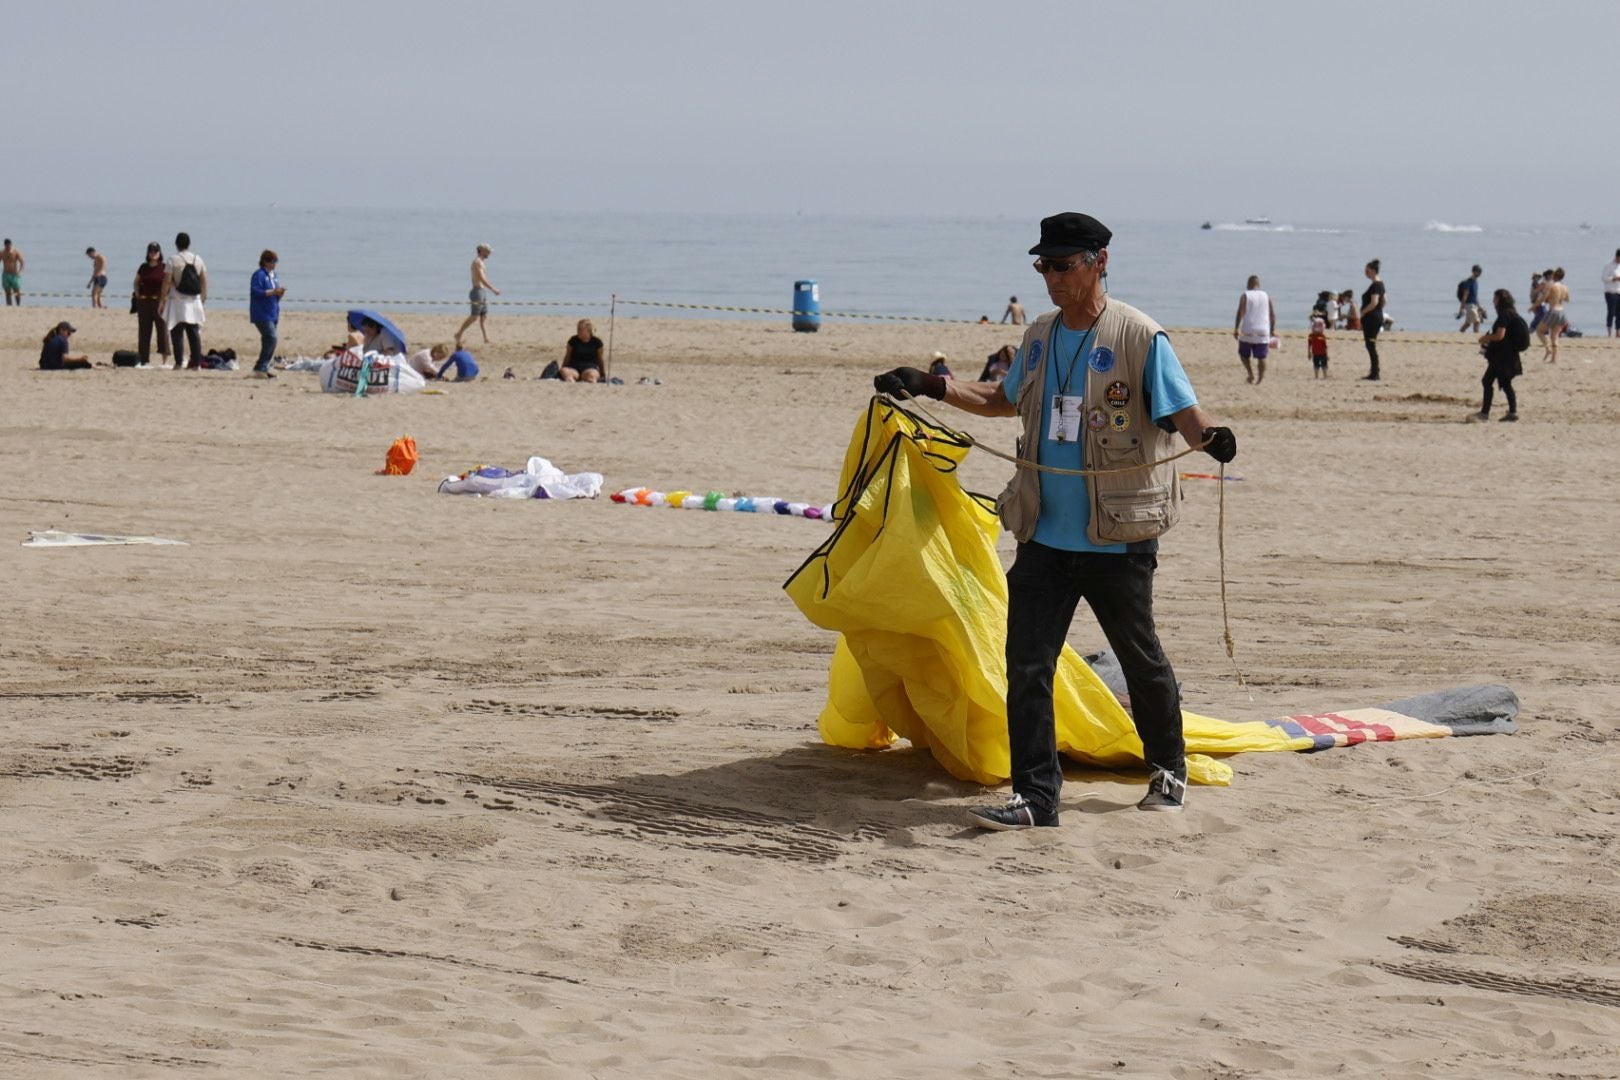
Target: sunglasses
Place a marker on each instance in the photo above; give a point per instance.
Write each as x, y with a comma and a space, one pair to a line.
1055, 266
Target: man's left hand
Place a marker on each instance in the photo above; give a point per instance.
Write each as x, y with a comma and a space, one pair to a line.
1220, 444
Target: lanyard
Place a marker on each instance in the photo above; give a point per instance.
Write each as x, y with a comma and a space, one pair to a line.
1063, 388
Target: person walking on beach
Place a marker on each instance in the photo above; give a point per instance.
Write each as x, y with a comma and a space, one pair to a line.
1093, 369
98, 276
1468, 309
1554, 296
11, 268
478, 296
149, 278
1509, 337
1254, 327
1014, 312
1611, 295
1372, 318
185, 295
264, 310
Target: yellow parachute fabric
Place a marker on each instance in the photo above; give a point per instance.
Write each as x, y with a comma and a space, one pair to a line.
911, 581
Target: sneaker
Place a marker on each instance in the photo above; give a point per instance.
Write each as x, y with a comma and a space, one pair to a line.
1510, 418
263, 373
1479, 417
1369, 378
1167, 791
1017, 813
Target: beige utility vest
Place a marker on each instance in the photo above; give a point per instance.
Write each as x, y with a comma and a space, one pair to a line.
1118, 431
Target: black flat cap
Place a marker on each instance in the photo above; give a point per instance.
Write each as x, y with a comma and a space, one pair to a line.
1069, 233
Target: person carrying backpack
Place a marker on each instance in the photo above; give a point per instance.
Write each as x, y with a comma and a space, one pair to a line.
185, 291
1509, 337
1468, 309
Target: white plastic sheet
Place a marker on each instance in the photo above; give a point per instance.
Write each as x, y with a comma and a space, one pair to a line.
540, 479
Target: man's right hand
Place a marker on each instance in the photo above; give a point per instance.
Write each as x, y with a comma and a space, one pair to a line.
910, 382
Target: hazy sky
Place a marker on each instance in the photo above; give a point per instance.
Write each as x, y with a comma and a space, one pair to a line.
1473, 110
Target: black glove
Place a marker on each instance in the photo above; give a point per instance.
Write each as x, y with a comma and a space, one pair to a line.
1220, 444
910, 382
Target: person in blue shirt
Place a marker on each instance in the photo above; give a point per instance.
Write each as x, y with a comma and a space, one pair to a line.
1101, 375
465, 366
264, 309
1468, 309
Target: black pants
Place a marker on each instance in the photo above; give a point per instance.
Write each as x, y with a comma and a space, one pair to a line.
1506, 383
182, 333
149, 324
1369, 335
1612, 316
1044, 587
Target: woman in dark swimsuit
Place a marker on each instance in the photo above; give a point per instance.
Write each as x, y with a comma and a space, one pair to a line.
582, 357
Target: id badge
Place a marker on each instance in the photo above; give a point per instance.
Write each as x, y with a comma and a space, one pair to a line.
1066, 414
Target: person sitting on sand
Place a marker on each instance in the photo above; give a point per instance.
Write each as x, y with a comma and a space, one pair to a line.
354, 342
54, 355
998, 363
427, 362
466, 368
582, 357
373, 338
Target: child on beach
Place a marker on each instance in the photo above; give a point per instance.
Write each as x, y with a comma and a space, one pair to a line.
1316, 345
940, 366
462, 362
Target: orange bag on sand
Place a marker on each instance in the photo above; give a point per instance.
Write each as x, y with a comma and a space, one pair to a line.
401, 458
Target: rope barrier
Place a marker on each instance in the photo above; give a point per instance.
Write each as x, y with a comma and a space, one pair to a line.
1461, 338
1466, 339
791, 311
369, 303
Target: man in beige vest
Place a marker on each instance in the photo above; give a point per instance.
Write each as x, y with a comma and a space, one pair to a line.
1096, 385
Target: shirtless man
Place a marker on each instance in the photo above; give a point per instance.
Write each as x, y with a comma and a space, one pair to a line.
480, 302
12, 263
1015, 312
1555, 294
98, 276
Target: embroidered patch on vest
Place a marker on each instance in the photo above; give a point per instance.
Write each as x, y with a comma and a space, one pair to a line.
1096, 419
1118, 395
1120, 421
1034, 356
1102, 359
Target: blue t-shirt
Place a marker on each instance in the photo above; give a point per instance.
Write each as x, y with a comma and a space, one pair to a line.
462, 360
262, 307
1065, 501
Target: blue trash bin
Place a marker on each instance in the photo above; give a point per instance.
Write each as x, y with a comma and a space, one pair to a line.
806, 306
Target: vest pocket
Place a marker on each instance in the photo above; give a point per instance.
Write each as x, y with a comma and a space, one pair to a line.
1143, 506
1120, 449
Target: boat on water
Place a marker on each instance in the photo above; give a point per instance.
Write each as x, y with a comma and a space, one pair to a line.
1206, 225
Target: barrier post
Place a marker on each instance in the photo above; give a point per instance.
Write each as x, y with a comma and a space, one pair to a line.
613, 306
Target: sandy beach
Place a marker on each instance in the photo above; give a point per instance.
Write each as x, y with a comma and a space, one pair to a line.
370, 781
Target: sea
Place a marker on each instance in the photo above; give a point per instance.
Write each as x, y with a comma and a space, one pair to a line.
1186, 273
